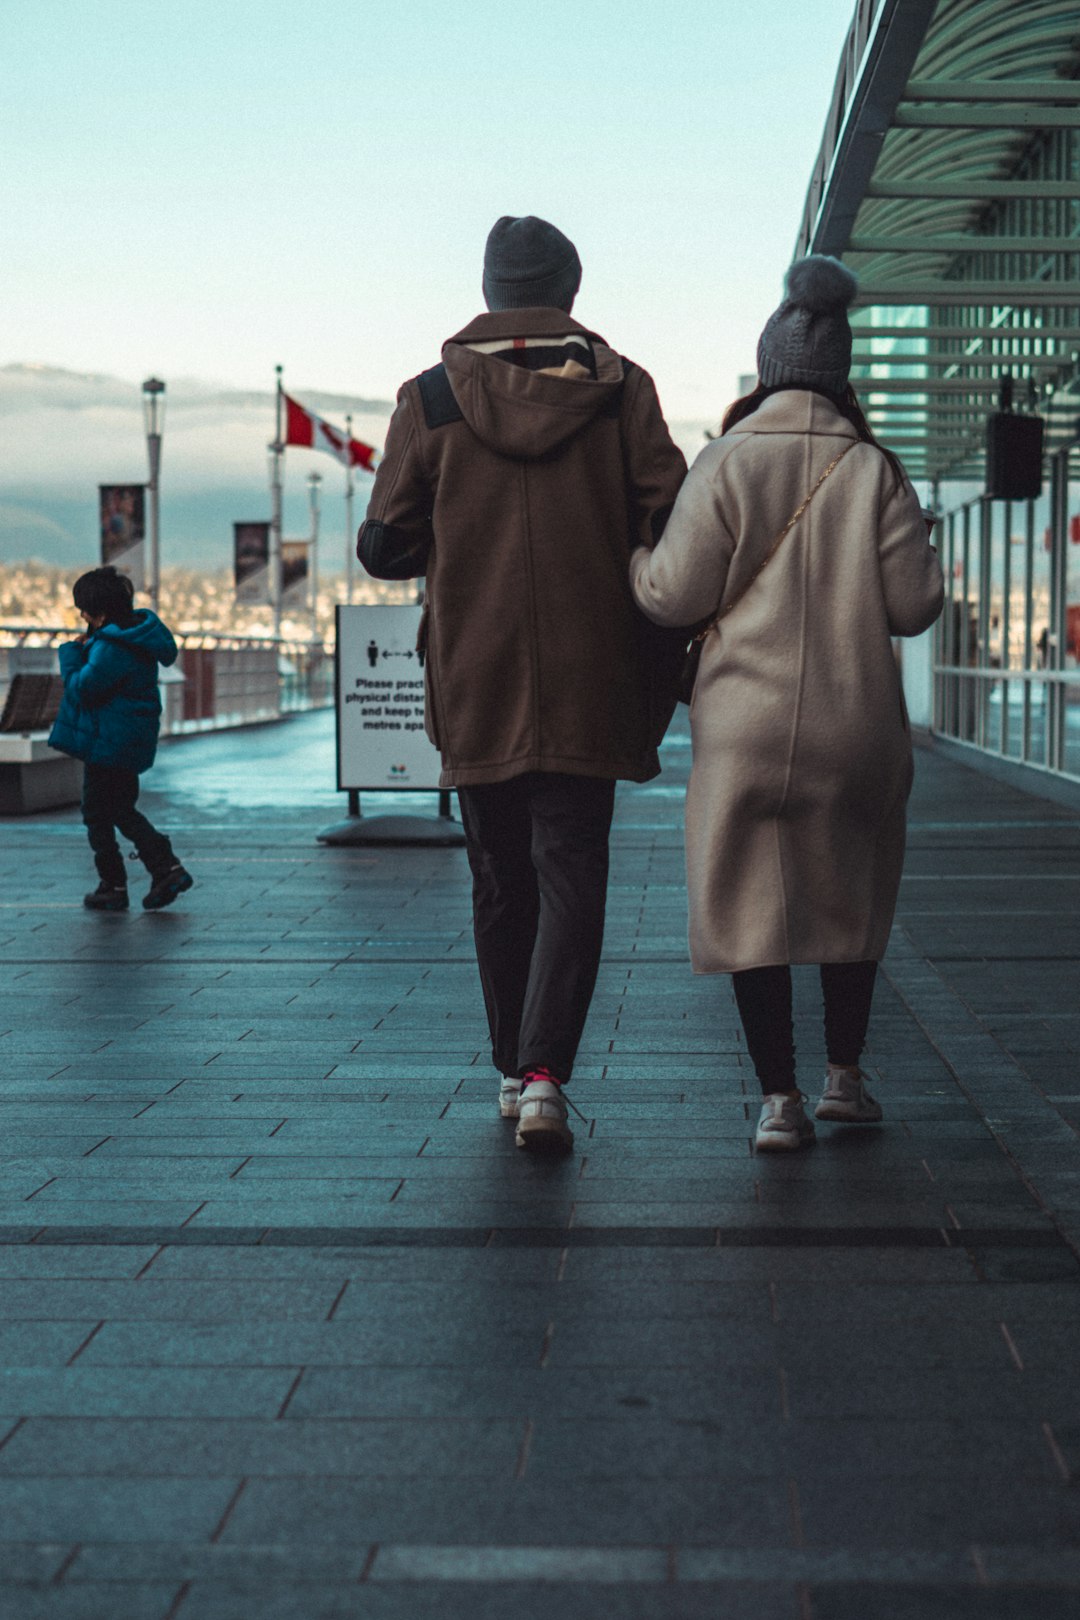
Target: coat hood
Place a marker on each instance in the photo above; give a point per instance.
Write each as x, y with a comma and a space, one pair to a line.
520, 413
147, 637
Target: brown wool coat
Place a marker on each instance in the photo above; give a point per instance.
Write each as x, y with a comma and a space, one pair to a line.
528, 510
795, 811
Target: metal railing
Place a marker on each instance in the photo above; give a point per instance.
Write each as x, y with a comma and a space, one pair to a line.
217, 681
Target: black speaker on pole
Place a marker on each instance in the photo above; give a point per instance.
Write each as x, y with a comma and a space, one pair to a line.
1014, 452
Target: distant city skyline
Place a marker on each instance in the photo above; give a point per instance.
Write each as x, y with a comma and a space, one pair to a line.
206, 190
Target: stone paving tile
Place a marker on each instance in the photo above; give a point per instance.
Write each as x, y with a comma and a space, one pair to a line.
60, 1509
937, 1391
153, 1299
940, 1601
84, 1391
131, 1600
204, 1447
578, 1392
398, 1268
624, 1513
28, 1563
42, 1343
407, 1340
997, 1508
537, 1600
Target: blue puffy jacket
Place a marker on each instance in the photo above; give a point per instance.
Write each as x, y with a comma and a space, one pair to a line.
111, 709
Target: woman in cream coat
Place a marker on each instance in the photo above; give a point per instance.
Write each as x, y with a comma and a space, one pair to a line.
802, 765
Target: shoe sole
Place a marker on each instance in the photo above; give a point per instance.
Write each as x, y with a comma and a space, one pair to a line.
508, 1110
176, 888
111, 905
836, 1113
778, 1143
546, 1138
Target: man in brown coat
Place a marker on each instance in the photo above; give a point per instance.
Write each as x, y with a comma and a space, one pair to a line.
518, 476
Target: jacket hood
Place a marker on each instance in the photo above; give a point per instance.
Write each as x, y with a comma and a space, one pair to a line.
147, 636
520, 413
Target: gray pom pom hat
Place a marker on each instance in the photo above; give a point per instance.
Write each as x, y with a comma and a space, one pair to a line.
529, 264
807, 340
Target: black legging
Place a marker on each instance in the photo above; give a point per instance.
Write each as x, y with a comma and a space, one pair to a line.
763, 996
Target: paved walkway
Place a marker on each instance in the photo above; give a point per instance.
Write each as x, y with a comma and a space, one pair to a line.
291, 1331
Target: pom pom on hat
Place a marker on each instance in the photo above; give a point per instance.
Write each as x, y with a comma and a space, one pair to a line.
820, 283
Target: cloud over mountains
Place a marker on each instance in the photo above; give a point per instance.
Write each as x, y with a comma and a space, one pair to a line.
64, 432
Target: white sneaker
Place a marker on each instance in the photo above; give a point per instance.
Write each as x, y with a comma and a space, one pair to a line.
783, 1125
509, 1093
542, 1115
846, 1099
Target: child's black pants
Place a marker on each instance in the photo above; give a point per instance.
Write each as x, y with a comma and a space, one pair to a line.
108, 804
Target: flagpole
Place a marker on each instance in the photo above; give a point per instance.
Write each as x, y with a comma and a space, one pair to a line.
314, 480
278, 450
350, 539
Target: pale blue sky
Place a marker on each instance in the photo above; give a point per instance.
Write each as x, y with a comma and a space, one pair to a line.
201, 189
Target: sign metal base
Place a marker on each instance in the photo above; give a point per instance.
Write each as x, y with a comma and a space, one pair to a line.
438, 832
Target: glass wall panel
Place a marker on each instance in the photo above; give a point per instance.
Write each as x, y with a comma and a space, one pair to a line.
1037, 628
1072, 618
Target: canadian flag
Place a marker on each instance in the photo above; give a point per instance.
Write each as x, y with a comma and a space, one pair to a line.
311, 432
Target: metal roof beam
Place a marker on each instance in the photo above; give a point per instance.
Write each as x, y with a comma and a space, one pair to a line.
983, 360
961, 242
1058, 333
971, 294
1004, 116
929, 385
883, 52
934, 405
977, 190
1030, 90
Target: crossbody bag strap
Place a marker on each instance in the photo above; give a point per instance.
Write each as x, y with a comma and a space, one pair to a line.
728, 607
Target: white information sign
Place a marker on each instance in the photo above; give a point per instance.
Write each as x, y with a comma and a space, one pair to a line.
380, 701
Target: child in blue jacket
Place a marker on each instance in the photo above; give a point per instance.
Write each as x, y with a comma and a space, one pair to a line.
109, 718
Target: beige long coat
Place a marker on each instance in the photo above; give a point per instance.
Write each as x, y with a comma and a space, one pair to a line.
795, 810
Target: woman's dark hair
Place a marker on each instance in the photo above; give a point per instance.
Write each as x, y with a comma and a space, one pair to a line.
846, 403
105, 594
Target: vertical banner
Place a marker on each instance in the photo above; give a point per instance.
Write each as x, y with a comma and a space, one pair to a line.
294, 573
380, 701
251, 562
122, 519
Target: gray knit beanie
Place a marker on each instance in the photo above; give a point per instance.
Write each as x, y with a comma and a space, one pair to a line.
528, 263
807, 341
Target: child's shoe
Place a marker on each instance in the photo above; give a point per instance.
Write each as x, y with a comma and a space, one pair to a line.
107, 897
164, 889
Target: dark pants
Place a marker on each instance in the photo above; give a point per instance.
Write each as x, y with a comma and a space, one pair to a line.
108, 802
763, 996
538, 849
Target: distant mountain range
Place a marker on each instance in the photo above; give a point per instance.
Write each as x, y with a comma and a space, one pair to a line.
64, 432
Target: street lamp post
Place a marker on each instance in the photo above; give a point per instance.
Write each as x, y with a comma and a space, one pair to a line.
153, 391
314, 480
350, 537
